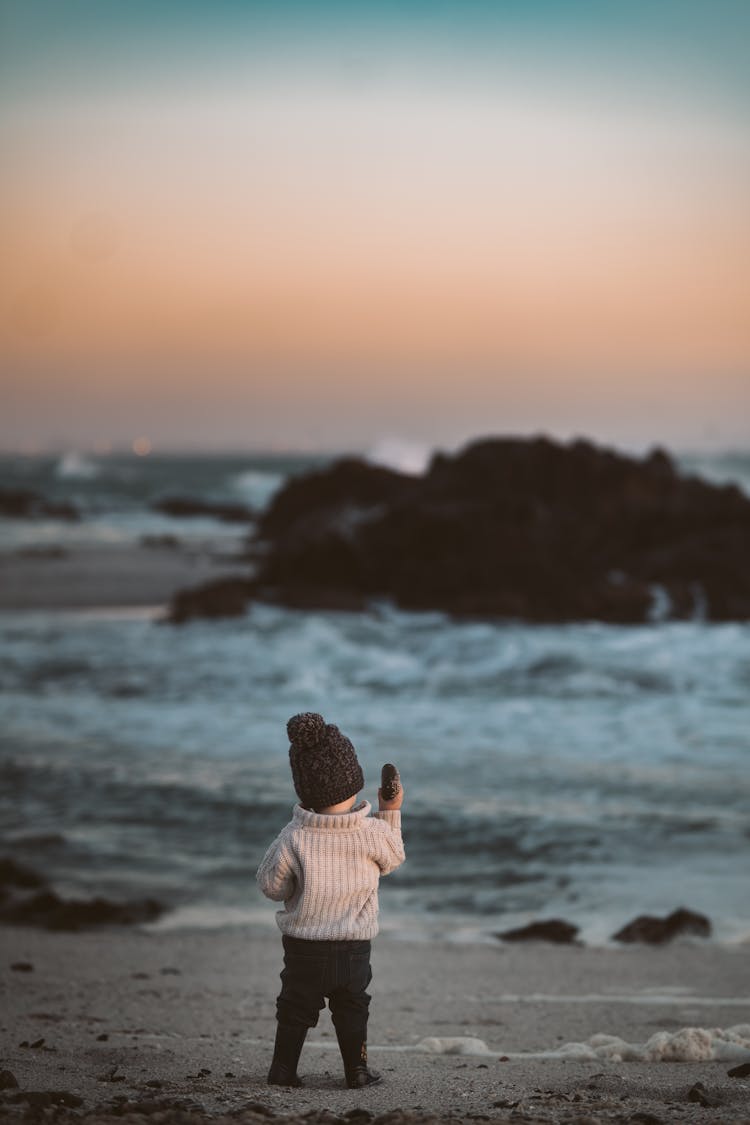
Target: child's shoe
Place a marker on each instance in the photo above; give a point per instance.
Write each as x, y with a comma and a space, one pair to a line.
362, 1076
354, 1056
286, 1053
281, 1075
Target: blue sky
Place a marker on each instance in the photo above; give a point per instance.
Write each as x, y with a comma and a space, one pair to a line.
687, 37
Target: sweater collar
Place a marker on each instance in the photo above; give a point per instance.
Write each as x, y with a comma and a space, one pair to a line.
308, 819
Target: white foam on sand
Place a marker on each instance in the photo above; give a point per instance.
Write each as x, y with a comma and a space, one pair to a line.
453, 1045
689, 1044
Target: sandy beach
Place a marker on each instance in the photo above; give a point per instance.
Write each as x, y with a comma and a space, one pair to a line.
136, 1021
86, 576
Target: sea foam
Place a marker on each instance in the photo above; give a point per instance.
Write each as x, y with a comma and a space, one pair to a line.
257, 486
689, 1044
74, 466
453, 1045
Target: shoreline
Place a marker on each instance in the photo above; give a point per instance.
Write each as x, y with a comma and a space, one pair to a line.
453, 929
205, 921
163, 1017
111, 576
32, 898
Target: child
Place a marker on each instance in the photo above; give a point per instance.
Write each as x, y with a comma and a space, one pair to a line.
325, 866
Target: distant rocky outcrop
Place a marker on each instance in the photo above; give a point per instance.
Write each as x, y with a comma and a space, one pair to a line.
188, 506
549, 929
49, 911
25, 503
527, 529
15, 875
655, 931
27, 900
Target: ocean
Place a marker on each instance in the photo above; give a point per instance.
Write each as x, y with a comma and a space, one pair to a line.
589, 772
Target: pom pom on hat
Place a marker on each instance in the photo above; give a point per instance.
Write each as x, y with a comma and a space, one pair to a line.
324, 763
306, 729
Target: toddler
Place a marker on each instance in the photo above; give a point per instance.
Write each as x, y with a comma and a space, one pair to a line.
325, 866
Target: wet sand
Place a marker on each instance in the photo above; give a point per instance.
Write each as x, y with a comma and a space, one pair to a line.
88, 577
164, 1017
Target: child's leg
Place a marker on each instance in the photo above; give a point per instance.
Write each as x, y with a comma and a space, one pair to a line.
297, 1009
349, 1003
286, 1052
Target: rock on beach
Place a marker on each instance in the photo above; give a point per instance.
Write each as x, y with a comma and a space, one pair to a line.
510, 528
551, 929
27, 900
527, 529
222, 597
25, 503
655, 931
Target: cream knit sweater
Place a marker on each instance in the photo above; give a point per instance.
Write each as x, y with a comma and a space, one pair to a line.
325, 868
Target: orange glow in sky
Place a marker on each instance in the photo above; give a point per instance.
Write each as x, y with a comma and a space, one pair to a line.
402, 255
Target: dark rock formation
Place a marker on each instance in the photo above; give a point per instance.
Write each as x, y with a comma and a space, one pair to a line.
187, 506
224, 597
528, 529
655, 931
741, 1071
27, 900
315, 500
24, 503
50, 912
552, 929
14, 874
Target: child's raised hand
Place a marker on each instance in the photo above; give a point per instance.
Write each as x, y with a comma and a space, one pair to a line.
391, 792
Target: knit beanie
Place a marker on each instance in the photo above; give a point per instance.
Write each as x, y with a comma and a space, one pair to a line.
324, 763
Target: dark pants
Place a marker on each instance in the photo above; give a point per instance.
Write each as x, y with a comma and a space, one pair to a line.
313, 970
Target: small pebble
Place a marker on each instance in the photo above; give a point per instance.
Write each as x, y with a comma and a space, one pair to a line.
698, 1093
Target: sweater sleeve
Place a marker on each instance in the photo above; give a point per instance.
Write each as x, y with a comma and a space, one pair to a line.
389, 848
276, 875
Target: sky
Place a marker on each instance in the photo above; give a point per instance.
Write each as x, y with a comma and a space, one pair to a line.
230, 225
